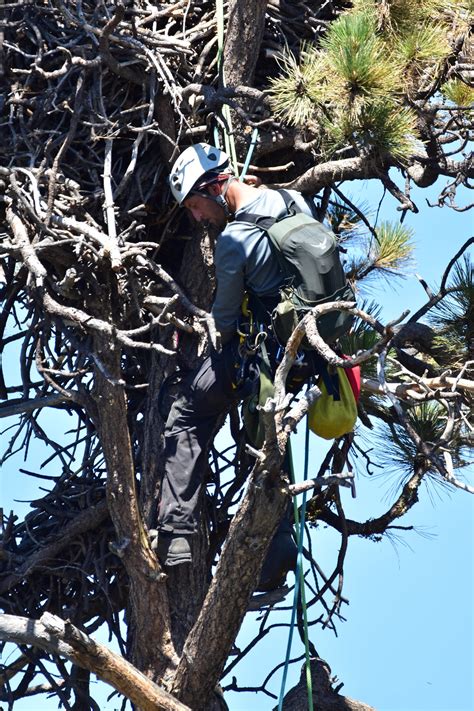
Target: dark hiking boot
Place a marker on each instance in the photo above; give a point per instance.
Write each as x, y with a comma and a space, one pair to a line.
173, 549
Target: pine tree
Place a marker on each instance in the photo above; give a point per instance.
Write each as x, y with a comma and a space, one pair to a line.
106, 288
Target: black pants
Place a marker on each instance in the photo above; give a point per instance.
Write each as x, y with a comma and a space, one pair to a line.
189, 428
191, 423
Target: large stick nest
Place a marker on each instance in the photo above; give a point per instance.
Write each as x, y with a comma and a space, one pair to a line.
97, 97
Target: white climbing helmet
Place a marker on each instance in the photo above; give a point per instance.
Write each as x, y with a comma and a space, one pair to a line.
192, 164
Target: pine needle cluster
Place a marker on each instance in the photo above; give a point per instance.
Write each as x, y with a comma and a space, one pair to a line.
458, 93
398, 451
390, 255
353, 91
453, 318
294, 87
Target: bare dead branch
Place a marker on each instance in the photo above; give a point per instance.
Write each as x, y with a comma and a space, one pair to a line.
52, 634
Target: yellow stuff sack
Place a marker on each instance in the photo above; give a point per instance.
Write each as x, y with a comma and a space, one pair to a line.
330, 418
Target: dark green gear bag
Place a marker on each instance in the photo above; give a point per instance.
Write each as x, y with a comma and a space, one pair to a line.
308, 256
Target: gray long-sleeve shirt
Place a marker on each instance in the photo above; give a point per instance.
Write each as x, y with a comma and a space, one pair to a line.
244, 260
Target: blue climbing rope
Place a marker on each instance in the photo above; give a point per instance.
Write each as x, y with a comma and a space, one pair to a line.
253, 143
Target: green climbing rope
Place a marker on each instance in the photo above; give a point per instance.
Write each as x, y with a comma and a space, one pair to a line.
299, 591
229, 141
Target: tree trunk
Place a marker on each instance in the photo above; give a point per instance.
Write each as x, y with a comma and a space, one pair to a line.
150, 644
234, 581
244, 34
325, 698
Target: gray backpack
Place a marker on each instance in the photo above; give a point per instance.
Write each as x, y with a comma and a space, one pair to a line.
308, 255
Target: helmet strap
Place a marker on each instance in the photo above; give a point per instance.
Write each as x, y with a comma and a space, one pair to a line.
219, 199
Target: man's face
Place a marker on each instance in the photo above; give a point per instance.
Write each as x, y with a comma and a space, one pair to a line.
205, 211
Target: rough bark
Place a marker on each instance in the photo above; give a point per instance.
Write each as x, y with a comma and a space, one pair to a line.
333, 171
245, 26
325, 698
187, 586
151, 454
234, 581
151, 646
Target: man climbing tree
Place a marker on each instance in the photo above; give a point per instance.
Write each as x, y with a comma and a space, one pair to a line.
245, 265
108, 292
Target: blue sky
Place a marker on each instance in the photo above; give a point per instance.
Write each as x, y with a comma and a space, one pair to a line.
407, 644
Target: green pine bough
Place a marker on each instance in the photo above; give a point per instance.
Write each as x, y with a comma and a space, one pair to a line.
356, 92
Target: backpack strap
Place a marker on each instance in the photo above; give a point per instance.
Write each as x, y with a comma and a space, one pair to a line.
290, 203
265, 223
